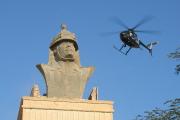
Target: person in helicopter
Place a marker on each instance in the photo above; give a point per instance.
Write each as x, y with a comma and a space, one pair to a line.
133, 36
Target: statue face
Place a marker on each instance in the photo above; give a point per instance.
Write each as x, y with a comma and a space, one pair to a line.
66, 50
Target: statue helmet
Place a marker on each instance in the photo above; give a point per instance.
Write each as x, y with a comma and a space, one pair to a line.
63, 36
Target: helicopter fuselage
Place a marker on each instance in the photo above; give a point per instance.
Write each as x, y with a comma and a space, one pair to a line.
130, 38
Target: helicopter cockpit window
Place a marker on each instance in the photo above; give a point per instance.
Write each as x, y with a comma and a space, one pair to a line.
130, 34
134, 36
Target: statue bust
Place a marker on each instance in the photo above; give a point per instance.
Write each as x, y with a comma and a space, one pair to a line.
64, 76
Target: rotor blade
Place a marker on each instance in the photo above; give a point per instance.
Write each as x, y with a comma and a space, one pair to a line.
148, 31
146, 19
119, 22
109, 33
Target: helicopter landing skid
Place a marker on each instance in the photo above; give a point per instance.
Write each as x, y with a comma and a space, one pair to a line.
120, 50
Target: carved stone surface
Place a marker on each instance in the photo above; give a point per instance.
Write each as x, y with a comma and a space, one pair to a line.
64, 76
35, 92
44, 108
94, 94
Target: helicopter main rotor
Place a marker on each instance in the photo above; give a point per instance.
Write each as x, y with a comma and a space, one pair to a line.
133, 29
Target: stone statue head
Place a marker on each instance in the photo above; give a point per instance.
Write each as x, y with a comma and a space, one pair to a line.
64, 47
65, 51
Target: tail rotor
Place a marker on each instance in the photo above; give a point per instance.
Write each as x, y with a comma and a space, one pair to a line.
150, 46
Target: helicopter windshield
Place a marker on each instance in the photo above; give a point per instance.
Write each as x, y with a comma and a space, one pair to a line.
133, 35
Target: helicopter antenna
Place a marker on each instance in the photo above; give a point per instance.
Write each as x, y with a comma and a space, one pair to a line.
146, 19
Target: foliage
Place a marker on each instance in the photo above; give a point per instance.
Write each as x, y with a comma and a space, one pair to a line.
172, 112
176, 55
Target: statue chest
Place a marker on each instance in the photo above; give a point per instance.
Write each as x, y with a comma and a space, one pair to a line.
65, 82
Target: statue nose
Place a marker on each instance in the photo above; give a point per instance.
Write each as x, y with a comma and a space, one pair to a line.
68, 45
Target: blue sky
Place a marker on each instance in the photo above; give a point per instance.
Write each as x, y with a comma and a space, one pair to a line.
135, 83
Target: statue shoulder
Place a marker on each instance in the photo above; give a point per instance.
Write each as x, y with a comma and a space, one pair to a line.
88, 70
43, 68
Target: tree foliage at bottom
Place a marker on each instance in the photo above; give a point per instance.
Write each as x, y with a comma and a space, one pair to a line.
176, 55
172, 112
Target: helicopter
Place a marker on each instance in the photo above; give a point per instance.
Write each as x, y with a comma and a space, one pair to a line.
129, 37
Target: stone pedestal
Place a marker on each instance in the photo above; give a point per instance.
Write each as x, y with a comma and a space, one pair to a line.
44, 108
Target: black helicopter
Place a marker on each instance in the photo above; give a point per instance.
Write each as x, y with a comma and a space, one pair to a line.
130, 38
